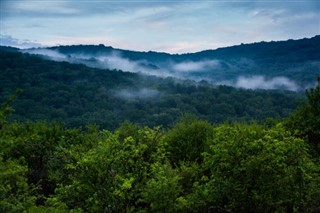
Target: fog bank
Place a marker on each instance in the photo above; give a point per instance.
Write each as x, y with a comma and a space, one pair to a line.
261, 82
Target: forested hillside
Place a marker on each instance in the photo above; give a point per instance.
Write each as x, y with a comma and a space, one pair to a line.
78, 95
194, 166
81, 139
292, 64
137, 106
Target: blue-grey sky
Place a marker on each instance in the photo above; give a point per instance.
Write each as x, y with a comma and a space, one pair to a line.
175, 26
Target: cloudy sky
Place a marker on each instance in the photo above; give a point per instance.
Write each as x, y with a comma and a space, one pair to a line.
175, 26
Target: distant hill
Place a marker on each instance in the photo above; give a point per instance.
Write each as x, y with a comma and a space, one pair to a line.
290, 65
77, 95
275, 50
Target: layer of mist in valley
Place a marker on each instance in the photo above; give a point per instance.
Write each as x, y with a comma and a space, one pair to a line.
242, 73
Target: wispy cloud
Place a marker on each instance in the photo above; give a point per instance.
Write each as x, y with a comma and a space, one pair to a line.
136, 94
185, 70
196, 66
53, 55
174, 26
36, 8
261, 82
6, 40
115, 61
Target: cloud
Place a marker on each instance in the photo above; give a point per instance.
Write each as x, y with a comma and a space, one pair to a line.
30, 8
175, 26
260, 82
54, 55
115, 61
136, 94
76, 8
217, 72
110, 61
272, 8
6, 40
196, 66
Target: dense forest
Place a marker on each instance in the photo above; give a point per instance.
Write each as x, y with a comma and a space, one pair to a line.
79, 139
78, 95
194, 166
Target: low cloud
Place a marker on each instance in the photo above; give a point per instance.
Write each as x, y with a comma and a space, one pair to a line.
115, 61
209, 70
137, 94
195, 66
260, 82
53, 55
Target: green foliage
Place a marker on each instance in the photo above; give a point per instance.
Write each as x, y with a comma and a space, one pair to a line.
6, 109
15, 193
305, 121
112, 175
187, 139
46, 149
191, 167
35, 142
162, 190
237, 167
254, 170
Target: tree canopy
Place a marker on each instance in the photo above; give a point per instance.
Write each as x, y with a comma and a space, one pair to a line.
194, 166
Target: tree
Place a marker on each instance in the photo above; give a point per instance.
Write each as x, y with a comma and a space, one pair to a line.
305, 121
253, 169
162, 189
15, 193
111, 176
6, 109
187, 139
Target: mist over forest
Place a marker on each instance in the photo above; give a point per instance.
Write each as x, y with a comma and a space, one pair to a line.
149, 106
90, 128
289, 65
78, 88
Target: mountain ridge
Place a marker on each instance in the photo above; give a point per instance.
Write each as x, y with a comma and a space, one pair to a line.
234, 50
290, 65
314, 38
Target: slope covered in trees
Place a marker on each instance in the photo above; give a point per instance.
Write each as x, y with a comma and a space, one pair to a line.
188, 165
192, 167
77, 95
296, 60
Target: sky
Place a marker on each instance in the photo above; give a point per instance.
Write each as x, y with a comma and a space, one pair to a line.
173, 26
